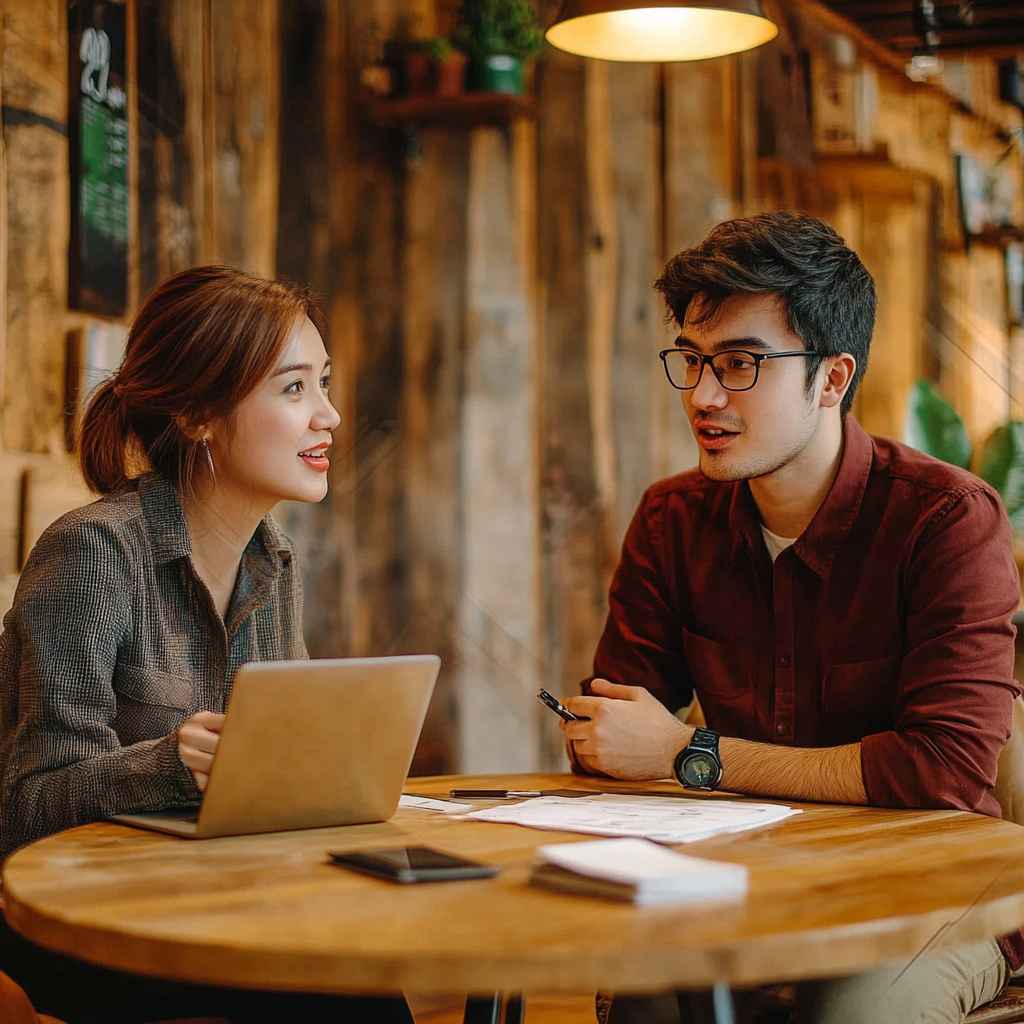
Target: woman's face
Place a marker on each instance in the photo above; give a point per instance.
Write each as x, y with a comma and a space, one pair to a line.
276, 447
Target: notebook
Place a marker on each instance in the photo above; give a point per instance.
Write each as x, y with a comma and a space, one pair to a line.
637, 871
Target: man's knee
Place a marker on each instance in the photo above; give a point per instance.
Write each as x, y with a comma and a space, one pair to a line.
939, 989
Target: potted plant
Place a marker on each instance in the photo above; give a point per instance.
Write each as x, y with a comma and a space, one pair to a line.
449, 67
499, 36
934, 428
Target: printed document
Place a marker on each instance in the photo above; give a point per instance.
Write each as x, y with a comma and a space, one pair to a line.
665, 819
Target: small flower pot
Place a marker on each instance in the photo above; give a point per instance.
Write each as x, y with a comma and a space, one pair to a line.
498, 73
451, 74
417, 73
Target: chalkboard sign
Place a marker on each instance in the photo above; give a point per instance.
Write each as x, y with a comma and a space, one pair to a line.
98, 133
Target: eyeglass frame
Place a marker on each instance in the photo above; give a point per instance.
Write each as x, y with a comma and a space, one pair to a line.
757, 357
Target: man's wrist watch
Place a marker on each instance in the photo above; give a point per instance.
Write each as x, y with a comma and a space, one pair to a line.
698, 765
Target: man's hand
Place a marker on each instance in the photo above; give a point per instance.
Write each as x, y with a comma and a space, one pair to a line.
630, 735
197, 743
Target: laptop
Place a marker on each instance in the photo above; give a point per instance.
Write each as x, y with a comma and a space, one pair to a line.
309, 744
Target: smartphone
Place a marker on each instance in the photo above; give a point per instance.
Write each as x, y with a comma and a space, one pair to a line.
411, 864
558, 707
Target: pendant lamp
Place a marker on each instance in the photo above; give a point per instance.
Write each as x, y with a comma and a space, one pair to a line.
660, 30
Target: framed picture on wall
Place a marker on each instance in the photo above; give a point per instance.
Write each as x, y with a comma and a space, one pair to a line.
970, 189
98, 148
1015, 282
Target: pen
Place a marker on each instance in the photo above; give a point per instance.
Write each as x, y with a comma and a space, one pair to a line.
495, 794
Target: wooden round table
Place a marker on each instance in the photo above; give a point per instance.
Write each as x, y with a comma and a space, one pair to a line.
833, 890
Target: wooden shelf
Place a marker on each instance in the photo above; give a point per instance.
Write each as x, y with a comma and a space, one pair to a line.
451, 112
998, 237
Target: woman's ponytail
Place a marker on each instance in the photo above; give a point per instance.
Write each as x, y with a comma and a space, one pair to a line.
104, 437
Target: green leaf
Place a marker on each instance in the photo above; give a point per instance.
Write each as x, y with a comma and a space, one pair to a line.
1002, 465
490, 27
933, 427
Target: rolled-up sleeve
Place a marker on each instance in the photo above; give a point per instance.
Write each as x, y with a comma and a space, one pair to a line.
642, 640
956, 686
61, 762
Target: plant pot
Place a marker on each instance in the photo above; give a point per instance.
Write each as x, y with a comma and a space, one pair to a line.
417, 73
498, 73
451, 75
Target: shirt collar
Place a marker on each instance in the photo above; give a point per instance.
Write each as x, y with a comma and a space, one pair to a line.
268, 551
165, 518
835, 517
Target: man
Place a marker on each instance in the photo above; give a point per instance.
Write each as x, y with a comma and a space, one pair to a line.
839, 603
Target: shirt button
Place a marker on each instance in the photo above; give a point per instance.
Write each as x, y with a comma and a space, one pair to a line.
781, 728
784, 660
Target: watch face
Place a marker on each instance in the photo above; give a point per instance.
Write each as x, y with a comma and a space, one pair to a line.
700, 770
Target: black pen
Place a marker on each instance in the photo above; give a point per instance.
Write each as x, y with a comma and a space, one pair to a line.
494, 794
550, 701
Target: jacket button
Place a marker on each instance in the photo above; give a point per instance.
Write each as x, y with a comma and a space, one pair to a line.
784, 660
780, 728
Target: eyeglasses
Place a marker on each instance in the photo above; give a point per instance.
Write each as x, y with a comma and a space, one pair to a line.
735, 369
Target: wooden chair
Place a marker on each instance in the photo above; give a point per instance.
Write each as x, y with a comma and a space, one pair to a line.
1009, 1007
15, 1007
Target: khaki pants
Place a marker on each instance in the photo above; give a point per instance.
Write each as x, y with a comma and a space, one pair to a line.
938, 989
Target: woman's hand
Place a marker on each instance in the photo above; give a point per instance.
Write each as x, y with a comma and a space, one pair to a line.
197, 743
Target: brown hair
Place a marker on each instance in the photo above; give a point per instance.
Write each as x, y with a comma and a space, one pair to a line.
826, 292
200, 344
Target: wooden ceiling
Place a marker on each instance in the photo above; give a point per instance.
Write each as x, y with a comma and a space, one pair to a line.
980, 28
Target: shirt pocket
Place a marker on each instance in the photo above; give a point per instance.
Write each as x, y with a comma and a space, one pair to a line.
152, 687
863, 692
718, 671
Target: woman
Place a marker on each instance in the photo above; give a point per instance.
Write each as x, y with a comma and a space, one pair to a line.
134, 613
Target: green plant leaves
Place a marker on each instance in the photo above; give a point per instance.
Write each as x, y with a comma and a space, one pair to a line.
933, 427
491, 27
1002, 465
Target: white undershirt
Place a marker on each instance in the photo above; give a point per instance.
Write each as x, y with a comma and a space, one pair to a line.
776, 544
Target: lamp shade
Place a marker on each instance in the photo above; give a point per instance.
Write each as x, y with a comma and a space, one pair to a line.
660, 30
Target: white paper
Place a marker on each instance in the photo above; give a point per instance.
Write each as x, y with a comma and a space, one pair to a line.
426, 804
662, 819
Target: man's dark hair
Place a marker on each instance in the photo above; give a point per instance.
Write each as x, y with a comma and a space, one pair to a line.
826, 292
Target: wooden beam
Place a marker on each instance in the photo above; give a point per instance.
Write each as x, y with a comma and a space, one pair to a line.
172, 194
34, 77
243, 105
304, 254
580, 263
433, 407
501, 658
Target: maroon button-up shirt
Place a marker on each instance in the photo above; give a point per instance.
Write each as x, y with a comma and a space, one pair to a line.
887, 622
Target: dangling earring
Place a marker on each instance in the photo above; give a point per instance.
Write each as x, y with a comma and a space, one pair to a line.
209, 458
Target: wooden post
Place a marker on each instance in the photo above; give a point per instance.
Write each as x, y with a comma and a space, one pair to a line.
499, 666
172, 194
244, 97
35, 142
434, 342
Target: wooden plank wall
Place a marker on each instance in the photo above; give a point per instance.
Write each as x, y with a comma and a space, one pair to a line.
492, 321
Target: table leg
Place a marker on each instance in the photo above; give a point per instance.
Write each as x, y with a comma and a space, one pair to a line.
722, 999
514, 1010
482, 1009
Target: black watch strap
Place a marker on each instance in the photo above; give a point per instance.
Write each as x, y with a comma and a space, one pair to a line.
704, 739
698, 765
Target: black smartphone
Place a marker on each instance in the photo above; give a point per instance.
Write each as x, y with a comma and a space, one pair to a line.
411, 864
551, 701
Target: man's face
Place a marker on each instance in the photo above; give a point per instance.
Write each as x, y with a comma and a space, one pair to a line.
766, 428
